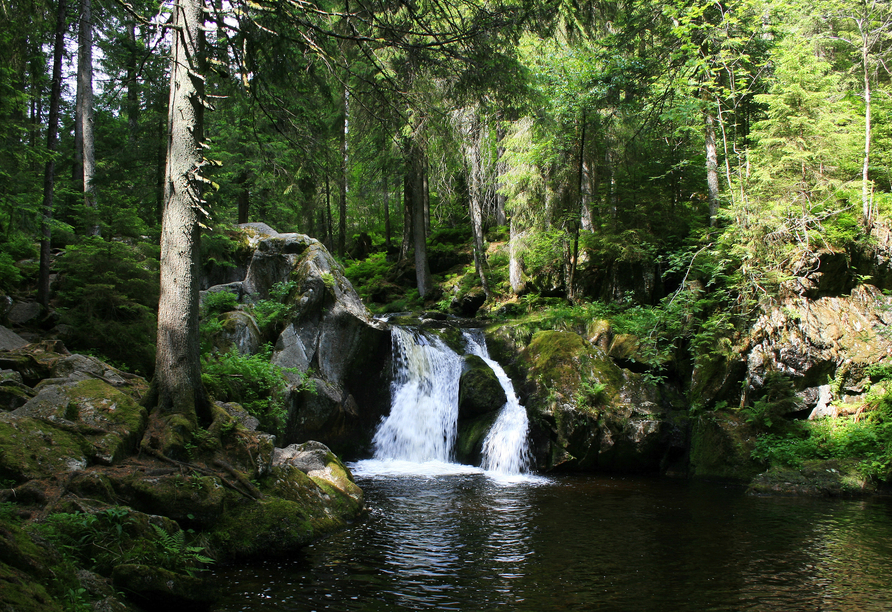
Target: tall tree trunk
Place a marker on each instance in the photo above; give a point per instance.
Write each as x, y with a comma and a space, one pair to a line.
712, 166
85, 148
49, 173
865, 179
425, 189
408, 232
577, 221
422, 269
342, 219
473, 159
386, 212
501, 170
176, 386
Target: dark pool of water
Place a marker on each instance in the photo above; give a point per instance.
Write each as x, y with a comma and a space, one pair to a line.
465, 542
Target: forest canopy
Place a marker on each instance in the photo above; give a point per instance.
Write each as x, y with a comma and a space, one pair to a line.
730, 138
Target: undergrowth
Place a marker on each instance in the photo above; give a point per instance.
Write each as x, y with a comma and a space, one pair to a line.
103, 540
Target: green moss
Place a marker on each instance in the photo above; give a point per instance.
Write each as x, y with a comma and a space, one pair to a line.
192, 497
832, 478
555, 355
30, 448
269, 526
721, 447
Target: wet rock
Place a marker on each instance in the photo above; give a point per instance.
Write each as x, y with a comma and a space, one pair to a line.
721, 445
479, 388
594, 415
832, 478
163, 588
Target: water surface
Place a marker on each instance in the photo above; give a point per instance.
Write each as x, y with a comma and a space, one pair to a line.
462, 540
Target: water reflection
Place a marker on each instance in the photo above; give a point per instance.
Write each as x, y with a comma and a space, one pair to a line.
467, 542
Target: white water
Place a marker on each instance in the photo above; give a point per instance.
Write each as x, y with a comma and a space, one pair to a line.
421, 426
417, 437
505, 448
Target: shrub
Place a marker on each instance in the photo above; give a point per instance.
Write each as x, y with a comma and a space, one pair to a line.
252, 381
108, 294
111, 537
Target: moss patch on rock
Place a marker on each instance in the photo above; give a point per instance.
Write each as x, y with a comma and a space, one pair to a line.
721, 448
832, 478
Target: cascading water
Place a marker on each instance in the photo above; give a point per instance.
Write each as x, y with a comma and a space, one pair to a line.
422, 422
417, 437
505, 448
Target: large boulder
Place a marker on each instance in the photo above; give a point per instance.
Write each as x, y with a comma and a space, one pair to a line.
479, 390
587, 412
334, 353
827, 339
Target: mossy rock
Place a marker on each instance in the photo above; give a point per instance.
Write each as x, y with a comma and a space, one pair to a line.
161, 588
110, 420
19, 592
479, 388
554, 357
265, 527
27, 572
721, 448
623, 346
193, 498
31, 448
470, 437
328, 497
831, 478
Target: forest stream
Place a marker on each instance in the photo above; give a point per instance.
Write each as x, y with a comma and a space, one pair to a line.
444, 536
465, 541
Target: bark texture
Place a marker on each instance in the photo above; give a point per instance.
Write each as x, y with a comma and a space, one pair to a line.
176, 387
49, 174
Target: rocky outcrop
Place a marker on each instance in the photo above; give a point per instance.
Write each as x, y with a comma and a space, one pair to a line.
333, 351
69, 451
586, 412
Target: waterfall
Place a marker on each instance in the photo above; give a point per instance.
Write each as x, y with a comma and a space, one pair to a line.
505, 448
418, 435
422, 422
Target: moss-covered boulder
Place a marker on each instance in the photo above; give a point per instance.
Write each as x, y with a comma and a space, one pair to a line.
183, 495
479, 389
831, 478
238, 330
161, 588
721, 446
32, 448
325, 470
589, 413
326, 329
110, 420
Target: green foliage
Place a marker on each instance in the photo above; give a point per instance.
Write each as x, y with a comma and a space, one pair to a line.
108, 294
269, 314
112, 537
778, 397
252, 381
172, 552
10, 275
219, 302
